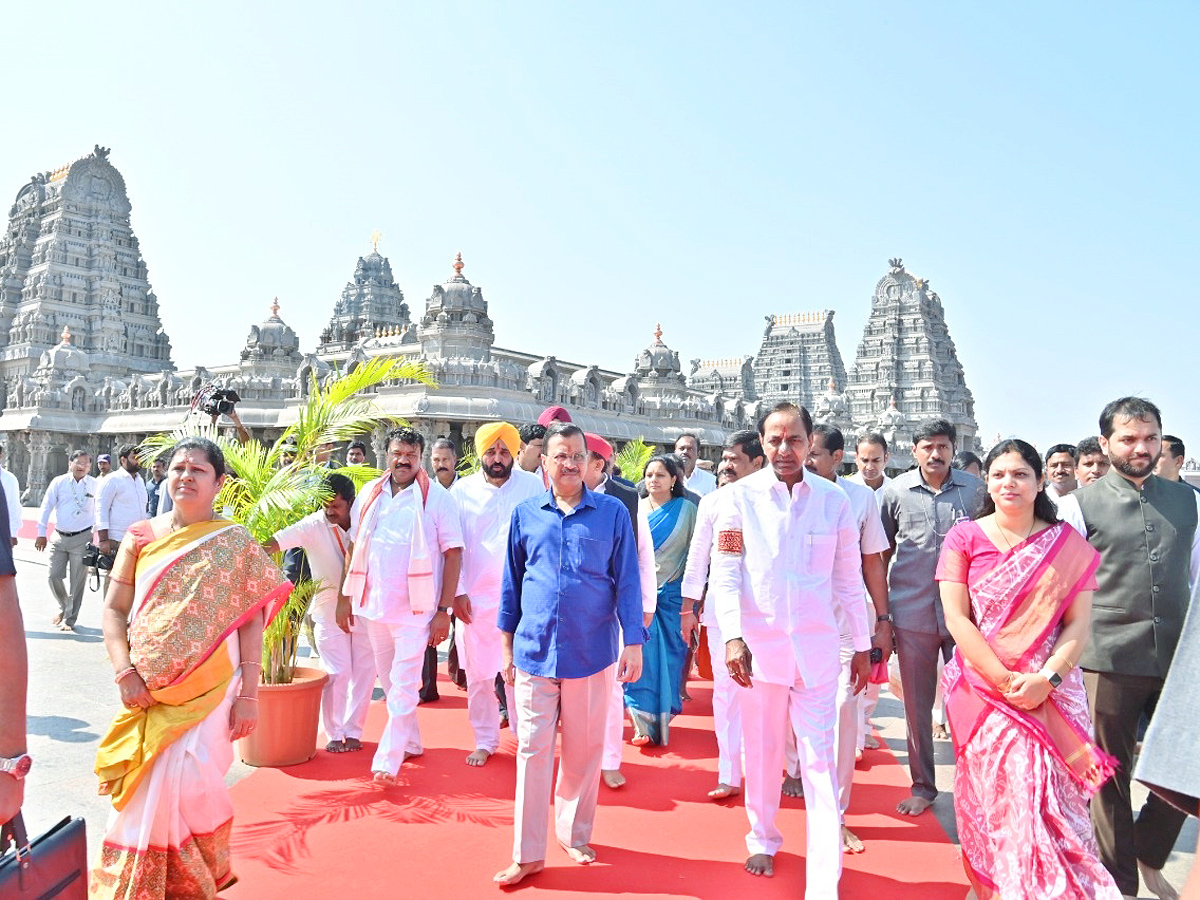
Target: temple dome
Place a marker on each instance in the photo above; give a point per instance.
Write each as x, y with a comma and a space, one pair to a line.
65, 356
658, 358
272, 336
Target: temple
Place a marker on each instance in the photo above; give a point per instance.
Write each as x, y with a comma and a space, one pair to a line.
86, 363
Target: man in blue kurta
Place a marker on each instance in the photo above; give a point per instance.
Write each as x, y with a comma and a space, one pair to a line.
571, 586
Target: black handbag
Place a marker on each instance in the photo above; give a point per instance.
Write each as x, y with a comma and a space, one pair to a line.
54, 865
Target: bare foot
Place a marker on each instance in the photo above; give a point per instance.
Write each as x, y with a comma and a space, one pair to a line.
640, 740
613, 778
336, 747
478, 758
723, 792
352, 744
913, 806
387, 779
851, 842
583, 854
57, 620
792, 787
761, 864
517, 871
870, 743
1156, 884
858, 756
940, 733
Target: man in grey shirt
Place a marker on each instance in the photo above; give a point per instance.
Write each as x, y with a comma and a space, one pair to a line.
918, 508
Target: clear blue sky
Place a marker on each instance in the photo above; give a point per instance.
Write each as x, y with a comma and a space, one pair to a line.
603, 167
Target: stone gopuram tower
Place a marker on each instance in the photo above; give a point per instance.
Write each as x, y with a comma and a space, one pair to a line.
906, 368
69, 259
798, 357
371, 303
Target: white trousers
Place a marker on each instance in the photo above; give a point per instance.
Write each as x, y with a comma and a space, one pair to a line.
399, 655
614, 727
766, 709
845, 743
350, 662
727, 713
866, 708
479, 652
580, 705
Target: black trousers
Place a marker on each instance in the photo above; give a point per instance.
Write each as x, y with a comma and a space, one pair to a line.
1117, 703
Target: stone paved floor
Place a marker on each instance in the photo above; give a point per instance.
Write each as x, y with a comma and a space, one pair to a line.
72, 699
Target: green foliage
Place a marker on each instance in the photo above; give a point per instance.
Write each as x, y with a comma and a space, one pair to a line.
469, 462
265, 495
632, 459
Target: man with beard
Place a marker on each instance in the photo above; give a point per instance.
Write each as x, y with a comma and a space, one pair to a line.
120, 501
787, 559
742, 455
1145, 529
1091, 462
918, 508
485, 502
346, 655
405, 555
571, 585
1060, 471
443, 458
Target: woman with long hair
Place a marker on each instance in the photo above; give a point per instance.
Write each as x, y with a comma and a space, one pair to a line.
654, 698
183, 621
1016, 586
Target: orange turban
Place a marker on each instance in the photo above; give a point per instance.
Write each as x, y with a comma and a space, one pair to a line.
497, 431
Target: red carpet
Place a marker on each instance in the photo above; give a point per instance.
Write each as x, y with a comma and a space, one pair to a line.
322, 829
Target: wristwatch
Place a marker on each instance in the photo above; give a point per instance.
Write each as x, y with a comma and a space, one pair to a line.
446, 609
886, 617
18, 767
1051, 676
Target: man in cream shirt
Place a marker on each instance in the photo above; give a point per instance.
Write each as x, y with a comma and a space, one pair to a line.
787, 559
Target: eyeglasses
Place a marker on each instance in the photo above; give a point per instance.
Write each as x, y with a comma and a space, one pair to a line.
561, 459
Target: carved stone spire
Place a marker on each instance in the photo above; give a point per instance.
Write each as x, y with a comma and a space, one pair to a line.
275, 308
458, 267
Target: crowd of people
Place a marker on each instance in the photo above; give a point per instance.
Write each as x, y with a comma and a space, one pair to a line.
1037, 601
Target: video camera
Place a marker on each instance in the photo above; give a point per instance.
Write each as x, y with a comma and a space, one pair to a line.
216, 401
97, 562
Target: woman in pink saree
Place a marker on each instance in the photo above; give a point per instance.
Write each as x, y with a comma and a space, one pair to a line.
1016, 585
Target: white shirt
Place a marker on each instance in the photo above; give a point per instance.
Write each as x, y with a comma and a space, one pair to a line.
857, 478
12, 494
695, 576
871, 536
325, 544
798, 562
386, 598
73, 504
701, 482
645, 554
485, 513
121, 501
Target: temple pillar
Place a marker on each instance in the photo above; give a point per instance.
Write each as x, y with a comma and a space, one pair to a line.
38, 475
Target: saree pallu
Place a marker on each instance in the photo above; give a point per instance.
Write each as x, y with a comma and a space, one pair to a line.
1023, 778
164, 767
654, 698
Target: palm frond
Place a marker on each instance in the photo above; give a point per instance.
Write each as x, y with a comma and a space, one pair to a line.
281, 639
632, 459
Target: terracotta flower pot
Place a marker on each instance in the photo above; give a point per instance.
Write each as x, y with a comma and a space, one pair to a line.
288, 716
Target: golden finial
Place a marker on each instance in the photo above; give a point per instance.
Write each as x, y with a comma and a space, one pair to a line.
458, 266
66, 335
275, 307
376, 237
658, 332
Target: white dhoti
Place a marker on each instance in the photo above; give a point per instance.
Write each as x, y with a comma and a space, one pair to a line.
867, 701
479, 654
350, 661
766, 709
580, 705
399, 654
727, 712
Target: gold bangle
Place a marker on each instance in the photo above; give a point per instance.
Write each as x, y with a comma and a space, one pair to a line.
251, 699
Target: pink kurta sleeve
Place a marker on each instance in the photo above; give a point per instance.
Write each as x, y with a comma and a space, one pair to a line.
955, 558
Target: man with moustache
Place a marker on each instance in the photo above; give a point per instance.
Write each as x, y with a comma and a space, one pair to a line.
741, 456
405, 555
787, 560
356, 454
1170, 464
695, 479
530, 457
71, 500
824, 459
596, 477
120, 501
918, 508
485, 502
1145, 528
443, 457
346, 655
1060, 471
571, 584
1091, 462
871, 459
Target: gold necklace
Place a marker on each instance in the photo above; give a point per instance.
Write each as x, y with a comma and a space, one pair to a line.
1004, 533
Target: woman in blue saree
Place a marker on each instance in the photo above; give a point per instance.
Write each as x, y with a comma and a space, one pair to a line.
654, 698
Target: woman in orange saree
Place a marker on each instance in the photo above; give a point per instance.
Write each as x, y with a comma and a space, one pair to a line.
183, 621
1016, 586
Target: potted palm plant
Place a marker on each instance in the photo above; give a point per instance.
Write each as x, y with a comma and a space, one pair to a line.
273, 486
